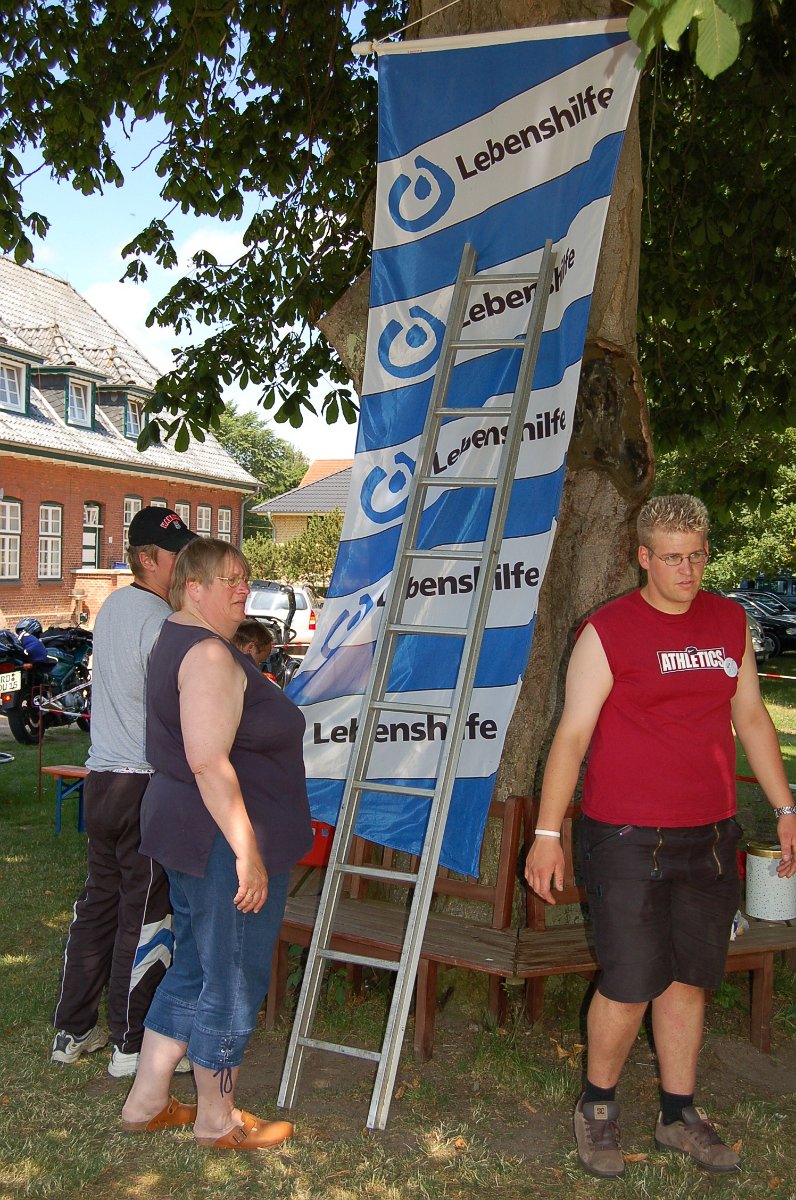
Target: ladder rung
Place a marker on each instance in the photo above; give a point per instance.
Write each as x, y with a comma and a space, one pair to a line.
401, 706
526, 278
333, 1048
456, 555
456, 481
439, 630
487, 344
360, 960
370, 872
395, 789
494, 410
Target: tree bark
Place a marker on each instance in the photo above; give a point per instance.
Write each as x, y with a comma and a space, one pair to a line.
610, 466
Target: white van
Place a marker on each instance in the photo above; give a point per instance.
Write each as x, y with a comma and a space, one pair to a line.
270, 600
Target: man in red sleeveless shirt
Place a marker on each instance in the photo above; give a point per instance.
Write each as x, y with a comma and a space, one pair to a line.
657, 680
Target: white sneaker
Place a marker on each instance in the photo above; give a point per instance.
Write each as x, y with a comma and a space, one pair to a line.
67, 1048
127, 1064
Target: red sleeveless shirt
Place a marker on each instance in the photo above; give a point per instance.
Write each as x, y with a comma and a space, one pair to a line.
662, 752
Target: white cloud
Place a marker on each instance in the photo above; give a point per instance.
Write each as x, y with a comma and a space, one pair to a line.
224, 244
126, 306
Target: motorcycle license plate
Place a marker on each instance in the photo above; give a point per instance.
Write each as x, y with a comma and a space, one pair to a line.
10, 681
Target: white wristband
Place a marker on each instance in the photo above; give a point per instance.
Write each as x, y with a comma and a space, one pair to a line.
546, 833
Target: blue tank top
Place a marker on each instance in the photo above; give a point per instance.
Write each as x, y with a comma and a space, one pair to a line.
176, 828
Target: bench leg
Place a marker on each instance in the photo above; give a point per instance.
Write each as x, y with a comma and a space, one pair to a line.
425, 1009
762, 1004
534, 1000
277, 987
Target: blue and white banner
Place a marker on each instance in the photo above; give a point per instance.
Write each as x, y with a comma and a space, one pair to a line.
502, 141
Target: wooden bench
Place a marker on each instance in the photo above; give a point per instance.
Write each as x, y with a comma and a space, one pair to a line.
454, 941
68, 782
544, 950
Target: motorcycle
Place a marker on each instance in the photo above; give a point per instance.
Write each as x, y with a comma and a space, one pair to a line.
45, 679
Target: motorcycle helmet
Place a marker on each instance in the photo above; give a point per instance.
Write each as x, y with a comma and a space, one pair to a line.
29, 625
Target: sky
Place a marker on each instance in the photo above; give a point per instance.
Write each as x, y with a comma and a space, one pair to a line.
84, 246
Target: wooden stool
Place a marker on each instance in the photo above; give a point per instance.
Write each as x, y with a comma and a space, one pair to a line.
64, 788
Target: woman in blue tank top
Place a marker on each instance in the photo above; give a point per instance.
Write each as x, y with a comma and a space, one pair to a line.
226, 815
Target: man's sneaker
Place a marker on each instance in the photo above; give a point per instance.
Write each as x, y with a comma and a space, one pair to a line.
127, 1064
696, 1135
67, 1048
597, 1134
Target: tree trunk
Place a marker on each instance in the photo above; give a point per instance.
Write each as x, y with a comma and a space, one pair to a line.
610, 465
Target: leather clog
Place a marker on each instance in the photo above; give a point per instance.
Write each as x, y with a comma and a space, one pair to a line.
251, 1134
173, 1116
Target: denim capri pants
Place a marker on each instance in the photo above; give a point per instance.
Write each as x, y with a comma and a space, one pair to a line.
211, 994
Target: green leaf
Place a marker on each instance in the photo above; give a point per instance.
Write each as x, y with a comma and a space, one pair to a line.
676, 19
717, 40
182, 440
741, 11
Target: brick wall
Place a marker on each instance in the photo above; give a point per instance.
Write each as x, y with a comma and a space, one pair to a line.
35, 481
288, 527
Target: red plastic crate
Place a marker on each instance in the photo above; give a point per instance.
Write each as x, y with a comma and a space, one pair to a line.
321, 848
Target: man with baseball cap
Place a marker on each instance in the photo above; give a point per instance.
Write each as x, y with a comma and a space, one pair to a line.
120, 936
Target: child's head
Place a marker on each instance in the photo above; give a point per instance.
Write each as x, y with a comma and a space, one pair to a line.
254, 639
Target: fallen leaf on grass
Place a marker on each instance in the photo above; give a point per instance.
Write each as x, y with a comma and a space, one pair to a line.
636, 1157
736, 1146
531, 1108
460, 1144
774, 1182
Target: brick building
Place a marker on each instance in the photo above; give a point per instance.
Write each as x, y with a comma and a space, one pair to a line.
72, 390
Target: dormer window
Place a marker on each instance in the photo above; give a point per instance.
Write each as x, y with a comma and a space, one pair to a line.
12, 386
133, 418
79, 403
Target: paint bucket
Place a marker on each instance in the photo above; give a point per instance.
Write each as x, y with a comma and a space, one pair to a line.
768, 896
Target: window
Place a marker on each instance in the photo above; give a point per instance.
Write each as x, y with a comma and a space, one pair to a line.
133, 418
91, 535
158, 502
225, 524
12, 388
204, 519
183, 511
10, 535
132, 505
50, 541
79, 404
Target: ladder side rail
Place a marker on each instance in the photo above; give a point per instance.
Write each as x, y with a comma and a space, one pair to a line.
435, 830
358, 760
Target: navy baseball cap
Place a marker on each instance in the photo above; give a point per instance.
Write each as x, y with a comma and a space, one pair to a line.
161, 527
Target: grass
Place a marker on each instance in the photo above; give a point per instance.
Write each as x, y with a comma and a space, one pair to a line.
488, 1117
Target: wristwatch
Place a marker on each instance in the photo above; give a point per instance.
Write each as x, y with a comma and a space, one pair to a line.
787, 810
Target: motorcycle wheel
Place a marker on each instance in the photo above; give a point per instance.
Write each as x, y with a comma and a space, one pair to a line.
24, 723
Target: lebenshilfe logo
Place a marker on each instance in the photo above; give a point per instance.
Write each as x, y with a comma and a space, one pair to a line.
432, 190
407, 351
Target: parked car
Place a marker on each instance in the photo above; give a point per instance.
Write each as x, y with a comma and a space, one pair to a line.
269, 599
780, 629
763, 646
780, 605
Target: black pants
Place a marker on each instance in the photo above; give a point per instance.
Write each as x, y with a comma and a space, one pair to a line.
121, 932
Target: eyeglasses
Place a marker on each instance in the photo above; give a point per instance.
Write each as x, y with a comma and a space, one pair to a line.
697, 558
233, 581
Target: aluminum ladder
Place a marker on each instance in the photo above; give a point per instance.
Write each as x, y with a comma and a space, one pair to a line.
376, 701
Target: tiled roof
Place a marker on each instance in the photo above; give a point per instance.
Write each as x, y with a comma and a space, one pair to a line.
45, 318
322, 467
324, 496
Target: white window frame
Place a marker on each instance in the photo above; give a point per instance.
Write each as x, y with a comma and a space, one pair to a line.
132, 505
183, 511
224, 524
10, 538
204, 520
79, 403
51, 524
158, 502
12, 378
133, 418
